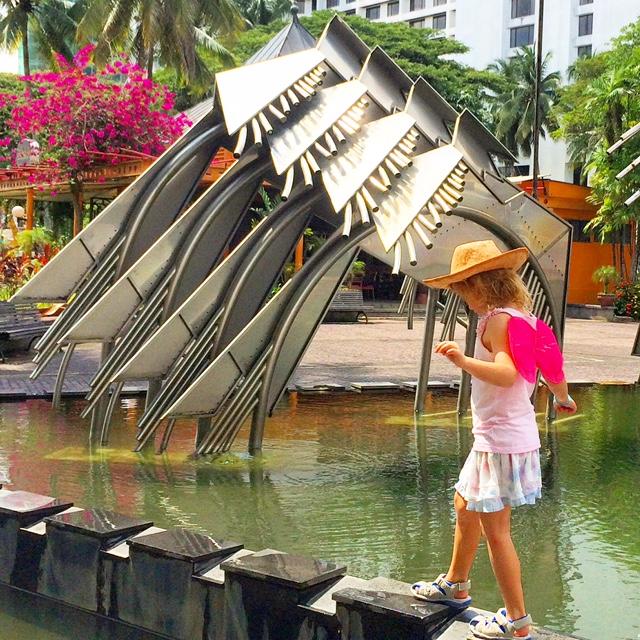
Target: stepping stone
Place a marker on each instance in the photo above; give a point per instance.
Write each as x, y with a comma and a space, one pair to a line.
375, 386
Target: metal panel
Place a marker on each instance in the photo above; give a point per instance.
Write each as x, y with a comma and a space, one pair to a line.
243, 91
168, 197
259, 274
431, 112
306, 318
288, 144
106, 319
411, 192
386, 82
343, 49
212, 386
158, 354
347, 172
477, 142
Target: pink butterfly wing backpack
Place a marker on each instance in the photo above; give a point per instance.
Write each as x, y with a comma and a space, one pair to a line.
533, 349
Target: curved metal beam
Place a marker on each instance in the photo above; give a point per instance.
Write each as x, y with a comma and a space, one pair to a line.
335, 248
187, 154
302, 205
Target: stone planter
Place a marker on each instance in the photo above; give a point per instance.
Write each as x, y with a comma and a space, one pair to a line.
606, 299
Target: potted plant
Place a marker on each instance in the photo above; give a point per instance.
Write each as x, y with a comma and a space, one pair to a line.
357, 271
605, 275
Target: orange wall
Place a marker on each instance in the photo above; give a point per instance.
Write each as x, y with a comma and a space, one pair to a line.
568, 201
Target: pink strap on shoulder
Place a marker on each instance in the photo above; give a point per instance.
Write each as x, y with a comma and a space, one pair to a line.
533, 349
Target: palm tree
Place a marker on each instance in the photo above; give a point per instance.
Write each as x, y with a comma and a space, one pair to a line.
170, 30
514, 107
47, 20
264, 11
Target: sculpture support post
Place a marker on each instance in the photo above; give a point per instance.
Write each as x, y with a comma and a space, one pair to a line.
464, 395
427, 342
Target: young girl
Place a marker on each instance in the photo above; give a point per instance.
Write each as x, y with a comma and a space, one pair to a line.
503, 469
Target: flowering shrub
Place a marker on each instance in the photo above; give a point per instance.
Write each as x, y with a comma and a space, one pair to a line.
81, 119
627, 299
23, 258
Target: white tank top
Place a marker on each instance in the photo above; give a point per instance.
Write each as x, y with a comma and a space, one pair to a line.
504, 420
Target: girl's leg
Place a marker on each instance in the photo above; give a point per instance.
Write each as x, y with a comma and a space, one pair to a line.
505, 562
465, 542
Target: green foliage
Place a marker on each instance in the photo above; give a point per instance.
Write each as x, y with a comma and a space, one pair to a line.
49, 22
513, 109
174, 33
605, 275
264, 11
358, 267
601, 104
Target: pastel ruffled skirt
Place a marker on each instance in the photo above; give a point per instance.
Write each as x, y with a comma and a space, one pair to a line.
492, 481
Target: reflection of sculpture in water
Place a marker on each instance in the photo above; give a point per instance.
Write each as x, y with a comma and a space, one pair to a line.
5, 478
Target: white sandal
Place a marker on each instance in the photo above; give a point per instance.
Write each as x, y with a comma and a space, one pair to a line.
498, 626
442, 591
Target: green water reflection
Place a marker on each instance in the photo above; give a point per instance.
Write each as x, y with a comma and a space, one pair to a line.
355, 479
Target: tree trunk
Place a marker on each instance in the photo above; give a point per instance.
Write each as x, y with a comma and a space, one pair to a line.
635, 255
76, 194
26, 63
150, 63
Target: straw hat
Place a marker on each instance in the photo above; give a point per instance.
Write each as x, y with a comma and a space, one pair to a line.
476, 257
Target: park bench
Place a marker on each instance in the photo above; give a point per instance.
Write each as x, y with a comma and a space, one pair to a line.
20, 326
347, 306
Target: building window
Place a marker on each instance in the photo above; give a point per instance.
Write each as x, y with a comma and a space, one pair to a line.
301, 6
579, 177
586, 2
585, 51
350, 1
440, 21
579, 234
373, 13
439, 3
417, 24
351, 12
393, 8
331, 4
585, 25
521, 36
521, 8
416, 5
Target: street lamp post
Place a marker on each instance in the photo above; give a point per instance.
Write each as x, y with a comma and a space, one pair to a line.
536, 118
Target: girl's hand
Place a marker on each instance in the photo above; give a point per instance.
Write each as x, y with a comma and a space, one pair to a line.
451, 351
566, 406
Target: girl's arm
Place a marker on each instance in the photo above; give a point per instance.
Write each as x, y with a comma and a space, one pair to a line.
501, 372
562, 400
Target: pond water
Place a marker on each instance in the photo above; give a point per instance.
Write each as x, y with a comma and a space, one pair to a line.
356, 479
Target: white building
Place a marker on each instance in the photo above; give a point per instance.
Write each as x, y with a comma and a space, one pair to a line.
494, 29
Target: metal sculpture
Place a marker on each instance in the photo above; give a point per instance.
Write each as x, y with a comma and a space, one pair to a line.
346, 136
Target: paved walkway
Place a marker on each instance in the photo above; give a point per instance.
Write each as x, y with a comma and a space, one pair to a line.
381, 351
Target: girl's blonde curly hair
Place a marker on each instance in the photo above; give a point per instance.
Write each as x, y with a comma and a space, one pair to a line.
496, 288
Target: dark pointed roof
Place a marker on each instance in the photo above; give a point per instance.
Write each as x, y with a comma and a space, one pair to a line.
294, 37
